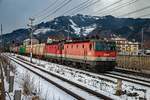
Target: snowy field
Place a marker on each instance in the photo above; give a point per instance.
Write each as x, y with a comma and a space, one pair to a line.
44, 89
95, 82
66, 85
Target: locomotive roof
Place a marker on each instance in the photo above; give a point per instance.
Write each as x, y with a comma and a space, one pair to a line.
80, 41
54, 42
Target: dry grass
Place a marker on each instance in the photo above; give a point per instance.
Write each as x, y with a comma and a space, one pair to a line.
29, 88
139, 63
27, 84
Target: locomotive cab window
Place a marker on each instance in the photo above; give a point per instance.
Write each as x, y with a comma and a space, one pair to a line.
99, 46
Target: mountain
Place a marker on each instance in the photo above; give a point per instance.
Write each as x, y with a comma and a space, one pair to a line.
85, 26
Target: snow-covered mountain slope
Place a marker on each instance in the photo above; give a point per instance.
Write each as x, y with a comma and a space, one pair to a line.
85, 26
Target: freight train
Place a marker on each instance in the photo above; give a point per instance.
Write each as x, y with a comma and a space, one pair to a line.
94, 55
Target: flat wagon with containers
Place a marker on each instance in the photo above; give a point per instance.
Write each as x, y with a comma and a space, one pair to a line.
95, 55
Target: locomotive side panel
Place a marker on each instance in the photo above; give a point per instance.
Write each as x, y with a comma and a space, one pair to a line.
37, 49
34, 49
76, 51
52, 51
41, 49
27, 49
22, 50
89, 54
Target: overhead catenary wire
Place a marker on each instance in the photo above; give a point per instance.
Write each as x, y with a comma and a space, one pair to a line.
104, 8
87, 4
115, 9
135, 11
52, 9
40, 13
83, 8
57, 9
80, 5
145, 15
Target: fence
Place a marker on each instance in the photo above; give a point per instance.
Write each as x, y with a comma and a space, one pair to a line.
134, 63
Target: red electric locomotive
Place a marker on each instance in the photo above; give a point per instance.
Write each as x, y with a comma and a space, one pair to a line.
99, 55
92, 54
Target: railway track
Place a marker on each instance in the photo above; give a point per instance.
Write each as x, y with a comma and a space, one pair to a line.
139, 78
129, 79
134, 73
92, 93
120, 76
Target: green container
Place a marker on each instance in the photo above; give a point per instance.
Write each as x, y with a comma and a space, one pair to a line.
22, 50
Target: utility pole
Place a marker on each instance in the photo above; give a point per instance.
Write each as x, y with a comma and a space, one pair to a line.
31, 33
1, 38
142, 41
81, 33
68, 37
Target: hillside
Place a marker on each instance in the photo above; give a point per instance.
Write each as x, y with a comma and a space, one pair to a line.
85, 26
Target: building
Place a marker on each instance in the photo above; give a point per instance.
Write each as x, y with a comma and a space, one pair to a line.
51, 39
125, 47
27, 41
132, 48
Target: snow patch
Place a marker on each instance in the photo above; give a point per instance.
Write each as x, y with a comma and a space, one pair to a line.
43, 31
88, 30
75, 27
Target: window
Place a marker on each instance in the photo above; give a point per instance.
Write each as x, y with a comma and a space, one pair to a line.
105, 46
90, 46
77, 46
83, 46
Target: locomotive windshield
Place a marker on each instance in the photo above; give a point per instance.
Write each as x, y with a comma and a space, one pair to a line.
100, 46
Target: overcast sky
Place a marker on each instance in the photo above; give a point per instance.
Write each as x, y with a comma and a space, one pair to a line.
14, 14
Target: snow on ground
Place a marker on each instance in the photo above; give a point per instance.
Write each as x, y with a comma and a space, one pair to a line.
46, 90
64, 84
142, 91
96, 83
